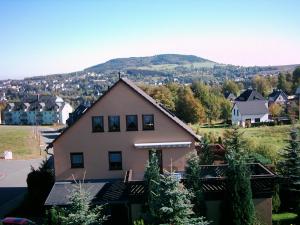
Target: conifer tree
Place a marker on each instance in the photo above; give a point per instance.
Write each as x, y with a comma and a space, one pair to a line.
240, 204
152, 179
207, 156
168, 200
194, 185
79, 212
289, 167
174, 205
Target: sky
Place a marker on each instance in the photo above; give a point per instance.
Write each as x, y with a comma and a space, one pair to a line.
59, 36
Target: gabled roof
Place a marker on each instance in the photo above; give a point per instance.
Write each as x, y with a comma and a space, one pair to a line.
250, 95
139, 91
229, 95
276, 93
252, 107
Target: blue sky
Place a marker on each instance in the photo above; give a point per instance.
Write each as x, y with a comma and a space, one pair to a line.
45, 37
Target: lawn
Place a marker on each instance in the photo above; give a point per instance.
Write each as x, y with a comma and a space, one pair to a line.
20, 140
273, 137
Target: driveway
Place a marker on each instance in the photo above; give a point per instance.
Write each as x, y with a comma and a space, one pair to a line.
13, 186
13, 174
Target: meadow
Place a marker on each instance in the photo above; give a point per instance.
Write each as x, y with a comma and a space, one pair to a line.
272, 138
20, 140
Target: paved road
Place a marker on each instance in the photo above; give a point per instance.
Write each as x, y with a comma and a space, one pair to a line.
13, 174
13, 186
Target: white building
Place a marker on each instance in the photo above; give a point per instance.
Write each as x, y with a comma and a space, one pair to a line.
46, 110
244, 112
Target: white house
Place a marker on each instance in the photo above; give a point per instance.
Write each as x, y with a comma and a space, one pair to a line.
244, 112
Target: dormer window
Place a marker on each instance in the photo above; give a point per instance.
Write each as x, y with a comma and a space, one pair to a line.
148, 122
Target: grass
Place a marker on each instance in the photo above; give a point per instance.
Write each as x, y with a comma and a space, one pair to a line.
20, 140
284, 216
272, 137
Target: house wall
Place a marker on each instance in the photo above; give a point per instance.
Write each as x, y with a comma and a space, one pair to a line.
122, 101
263, 209
64, 113
241, 119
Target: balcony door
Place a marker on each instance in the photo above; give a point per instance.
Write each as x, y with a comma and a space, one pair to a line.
158, 153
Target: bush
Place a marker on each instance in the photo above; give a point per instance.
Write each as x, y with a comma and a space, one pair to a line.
39, 183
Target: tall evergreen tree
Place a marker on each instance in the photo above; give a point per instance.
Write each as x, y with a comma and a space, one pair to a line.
175, 206
168, 200
240, 204
289, 167
194, 185
207, 156
152, 179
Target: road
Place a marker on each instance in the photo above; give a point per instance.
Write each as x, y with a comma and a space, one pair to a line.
13, 175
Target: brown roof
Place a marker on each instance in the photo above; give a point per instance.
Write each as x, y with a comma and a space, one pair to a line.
149, 99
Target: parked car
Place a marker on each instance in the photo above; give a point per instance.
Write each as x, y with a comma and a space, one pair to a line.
16, 221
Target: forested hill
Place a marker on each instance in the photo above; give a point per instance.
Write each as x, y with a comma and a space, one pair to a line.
148, 62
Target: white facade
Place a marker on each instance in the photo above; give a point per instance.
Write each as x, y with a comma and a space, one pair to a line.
240, 118
64, 113
58, 114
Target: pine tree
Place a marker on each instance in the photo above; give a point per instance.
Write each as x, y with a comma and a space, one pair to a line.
152, 179
207, 156
194, 185
80, 211
168, 200
240, 204
175, 206
289, 167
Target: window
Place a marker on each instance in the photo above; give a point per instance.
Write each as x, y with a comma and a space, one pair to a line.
257, 120
114, 123
148, 122
237, 112
115, 160
97, 124
77, 160
131, 123
233, 111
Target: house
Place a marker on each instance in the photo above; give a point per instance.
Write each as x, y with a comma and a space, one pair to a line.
278, 96
249, 107
229, 96
109, 145
249, 95
248, 112
42, 110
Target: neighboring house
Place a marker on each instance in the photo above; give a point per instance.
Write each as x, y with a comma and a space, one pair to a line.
45, 110
229, 96
76, 114
109, 146
250, 95
248, 112
249, 107
278, 96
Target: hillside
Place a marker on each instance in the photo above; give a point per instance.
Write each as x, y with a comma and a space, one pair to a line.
147, 62
183, 67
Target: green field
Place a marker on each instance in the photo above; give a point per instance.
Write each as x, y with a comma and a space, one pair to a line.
273, 137
20, 140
